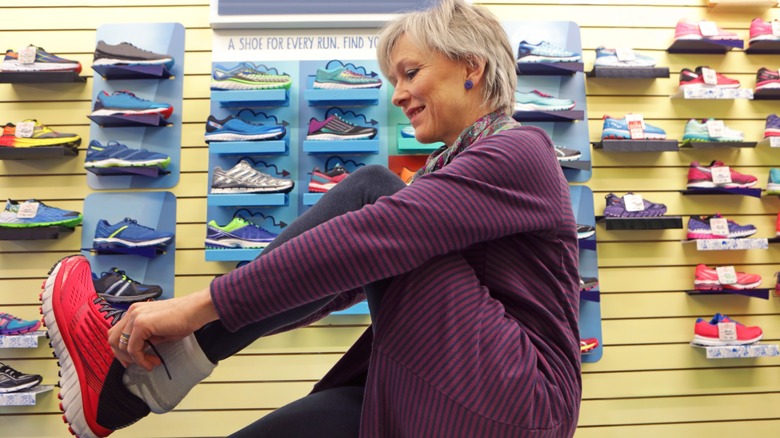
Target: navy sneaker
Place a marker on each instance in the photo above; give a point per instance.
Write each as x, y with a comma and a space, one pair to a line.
335, 128
115, 154
12, 380
129, 233
239, 233
233, 128
115, 286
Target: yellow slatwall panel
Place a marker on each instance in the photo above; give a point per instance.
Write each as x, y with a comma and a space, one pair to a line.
649, 382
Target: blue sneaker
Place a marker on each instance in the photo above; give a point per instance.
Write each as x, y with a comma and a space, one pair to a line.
545, 52
127, 103
608, 58
617, 129
129, 233
45, 216
773, 186
233, 128
341, 79
114, 154
237, 234
538, 101
13, 325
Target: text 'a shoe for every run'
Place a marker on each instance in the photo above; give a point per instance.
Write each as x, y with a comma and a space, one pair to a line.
334, 128
247, 76
115, 154
44, 216
30, 133
130, 234
233, 128
42, 61
244, 178
127, 103
238, 233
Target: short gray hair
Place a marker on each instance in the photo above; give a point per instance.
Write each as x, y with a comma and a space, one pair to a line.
461, 32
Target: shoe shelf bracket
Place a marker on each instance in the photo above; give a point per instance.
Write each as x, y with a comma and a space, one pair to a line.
311, 198
763, 48
719, 144
109, 72
642, 223
41, 77
248, 200
714, 94
592, 295
33, 233
25, 397
111, 249
251, 98
771, 142
27, 340
344, 146
739, 351
549, 116
548, 68
37, 153
232, 254
756, 193
705, 46
272, 147
629, 72
576, 164
772, 94
151, 171
729, 244
638, 145
128, 120
752, 293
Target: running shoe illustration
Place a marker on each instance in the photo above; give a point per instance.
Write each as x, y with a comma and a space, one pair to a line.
127, 103
585, 231
696, 131
767, 79
125, 53
700, 177
12, 380
44, 61
761, 30
588, 344
772, 127
617, 129
244, 178
695, 80
12, 325
616, 208
45, 216
233, 128
706, 333
608, 58
239, 233
334, 128
115, 154
39, 136
116, 287
699, 228
321, 182
566, 154
773, 183
129, 233
691, 30
544, 52
707, 279
340, 78
537, 101
246, 76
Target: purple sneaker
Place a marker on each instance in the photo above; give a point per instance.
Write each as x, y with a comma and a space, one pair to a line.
334, 128
772, 126
699, 228
617, 208
237, 234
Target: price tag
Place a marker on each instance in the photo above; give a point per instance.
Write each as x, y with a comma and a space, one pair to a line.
634, 202
726, 274
774, 142
624, 54
708, 28
721, 175
636, 126
719, 226
25, 129
27, 210
715, 128
27, 55
709, 76
727, 331
776, 28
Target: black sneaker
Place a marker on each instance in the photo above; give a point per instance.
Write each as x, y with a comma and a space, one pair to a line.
585, 231
565, 154
115, 286
335, 128
12, 380
128, 54
767, 79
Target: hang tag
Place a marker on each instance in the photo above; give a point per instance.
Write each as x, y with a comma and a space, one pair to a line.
721, 175
709, 76
776, 28
715, 128
719, 226
708, 28
624, 54
27, 55
27, 210
727, 331
25, 129
636, 126
774, 142
726, 274
633, 202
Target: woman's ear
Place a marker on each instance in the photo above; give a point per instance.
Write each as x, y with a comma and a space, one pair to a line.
475, 69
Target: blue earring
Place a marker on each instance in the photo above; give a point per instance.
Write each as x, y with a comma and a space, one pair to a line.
468, 84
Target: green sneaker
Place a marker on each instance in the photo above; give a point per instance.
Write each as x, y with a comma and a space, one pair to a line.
246, 76
699, 131
341, 78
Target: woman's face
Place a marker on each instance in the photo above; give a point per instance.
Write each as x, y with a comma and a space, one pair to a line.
429, 88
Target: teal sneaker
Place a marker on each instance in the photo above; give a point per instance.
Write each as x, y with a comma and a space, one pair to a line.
698, 131
773, 186
538, 101
340, 78
246, 76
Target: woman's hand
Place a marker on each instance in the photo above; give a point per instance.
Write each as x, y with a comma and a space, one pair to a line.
158, 322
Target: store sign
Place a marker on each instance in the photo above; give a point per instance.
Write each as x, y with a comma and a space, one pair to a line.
296, 7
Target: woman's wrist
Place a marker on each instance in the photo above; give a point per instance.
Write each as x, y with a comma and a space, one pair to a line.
202, 309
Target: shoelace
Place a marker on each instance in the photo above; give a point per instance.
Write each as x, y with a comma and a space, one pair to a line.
7, 318
10, 371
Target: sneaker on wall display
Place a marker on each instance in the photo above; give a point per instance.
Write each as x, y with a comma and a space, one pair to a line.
115, 154
617, 129
125, 53
334, 128
31, 133
699, 227
609, 58
772, 127
767, 79
616, 208
773, 184
12, 380
585, 231
700, 177
321, 181
129, 233
341, 78
535, 100
115, 286
233, 128
588, 283
244, 178
588, 344
13, 325
247, 76
566, 154
694, 79
127, 103
544, 51
706, 333
239, 233
41, 60
707, 279
692, 30
710, 130
761, 30
42, 215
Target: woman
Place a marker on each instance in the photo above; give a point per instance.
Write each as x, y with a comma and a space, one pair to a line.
470, 274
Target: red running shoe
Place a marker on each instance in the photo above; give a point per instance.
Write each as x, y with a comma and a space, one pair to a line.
761, 30
588, 344
321, 181
700, 177
706, 332
689, 30
767, 79
707, 279
695, 80
78, 320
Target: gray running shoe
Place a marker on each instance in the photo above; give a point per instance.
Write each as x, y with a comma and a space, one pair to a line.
128, 54
565, 154
243, 178
12, 380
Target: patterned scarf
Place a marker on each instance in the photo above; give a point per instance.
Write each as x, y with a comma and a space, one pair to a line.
485, 126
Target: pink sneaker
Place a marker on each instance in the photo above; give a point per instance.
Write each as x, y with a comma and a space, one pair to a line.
761, 30
690, 30
706, 332
707, 279
700, 177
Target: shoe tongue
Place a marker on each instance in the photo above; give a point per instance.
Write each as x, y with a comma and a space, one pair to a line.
716, 163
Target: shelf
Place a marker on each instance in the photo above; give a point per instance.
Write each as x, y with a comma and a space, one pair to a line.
756, 193
343, 146
772, 142
278, 97
629, 72
704, 46
248, 200
729, 244
411, 145
642, 223
128, 120
548, 68
714, 93
548, 116
26, 397
41, 77
150, 171
109, 72
753, 293
719, 144
589, 243
764, 48
592, 295
740, 351
637, 145
575, 164
27, 340
360, 308
37, 153
33, 233
232, 254
347, 97
111, 249
272, 147
767, 94
311, 198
